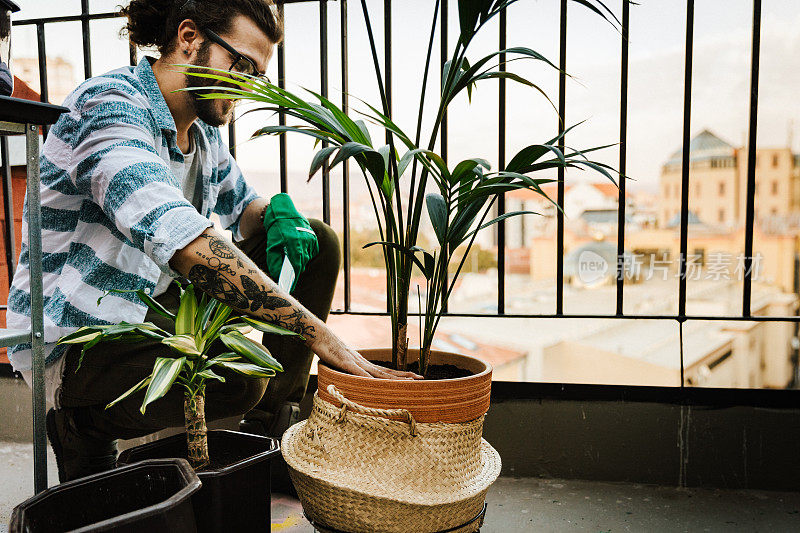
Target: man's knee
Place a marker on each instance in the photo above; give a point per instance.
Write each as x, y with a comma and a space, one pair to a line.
329, 250
235, 397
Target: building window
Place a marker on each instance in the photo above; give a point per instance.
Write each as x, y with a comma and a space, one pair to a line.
666, 191
697, 189
722, 215
677, 191
755, 188
722, 188
775, 187
775, 160
774, 211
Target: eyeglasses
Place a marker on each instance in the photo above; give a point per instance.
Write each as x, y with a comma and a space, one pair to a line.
241, 63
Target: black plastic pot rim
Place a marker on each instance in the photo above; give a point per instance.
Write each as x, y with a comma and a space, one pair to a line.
274, 448
188, 474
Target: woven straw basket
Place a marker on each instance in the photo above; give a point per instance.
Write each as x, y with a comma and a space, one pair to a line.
366, 470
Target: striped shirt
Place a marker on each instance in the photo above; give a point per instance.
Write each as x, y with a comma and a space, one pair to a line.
113, 212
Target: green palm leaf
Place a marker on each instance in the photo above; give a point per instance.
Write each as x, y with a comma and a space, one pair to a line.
226, 357
210, 374
253, 351
84, 334
184, 344
139, 386
247, 369
184, 320
165, 372
269, 328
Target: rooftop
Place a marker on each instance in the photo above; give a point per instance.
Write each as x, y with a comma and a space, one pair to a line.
704, 145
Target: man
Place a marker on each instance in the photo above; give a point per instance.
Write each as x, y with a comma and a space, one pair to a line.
130, 177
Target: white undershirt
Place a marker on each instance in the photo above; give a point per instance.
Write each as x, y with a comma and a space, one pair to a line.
188, 174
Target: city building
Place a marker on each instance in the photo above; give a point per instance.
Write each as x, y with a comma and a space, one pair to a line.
718, 182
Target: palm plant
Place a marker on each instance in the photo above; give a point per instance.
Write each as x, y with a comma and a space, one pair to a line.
458, 201
199, 323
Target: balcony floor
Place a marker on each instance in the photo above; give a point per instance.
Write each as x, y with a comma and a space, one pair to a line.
521, 505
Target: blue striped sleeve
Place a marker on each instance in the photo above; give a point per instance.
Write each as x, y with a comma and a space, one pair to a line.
116, 163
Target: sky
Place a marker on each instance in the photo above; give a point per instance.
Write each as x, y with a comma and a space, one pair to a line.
720, 101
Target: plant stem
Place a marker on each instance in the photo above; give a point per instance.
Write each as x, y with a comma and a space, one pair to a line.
194, 412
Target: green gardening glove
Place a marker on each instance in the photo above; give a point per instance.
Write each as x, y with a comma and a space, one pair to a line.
289, 236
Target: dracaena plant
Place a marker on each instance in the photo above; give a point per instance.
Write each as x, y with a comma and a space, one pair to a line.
458, 199
199, 323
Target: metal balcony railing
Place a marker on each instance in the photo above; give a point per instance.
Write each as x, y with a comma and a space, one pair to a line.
680, 317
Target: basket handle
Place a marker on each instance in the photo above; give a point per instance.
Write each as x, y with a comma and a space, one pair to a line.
371, 411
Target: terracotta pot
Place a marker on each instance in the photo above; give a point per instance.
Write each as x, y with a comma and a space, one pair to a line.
442, 400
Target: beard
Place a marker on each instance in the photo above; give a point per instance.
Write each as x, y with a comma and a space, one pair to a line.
207, 110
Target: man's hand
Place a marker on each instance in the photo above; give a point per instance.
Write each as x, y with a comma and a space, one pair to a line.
217, 267
336, 354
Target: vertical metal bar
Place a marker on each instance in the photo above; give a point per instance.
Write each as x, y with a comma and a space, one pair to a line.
387, 84
680, 342
501, 156
387, 56
345, 167
751, 158
562, 111
796, 327
132, 54
232, 137
623, 148
37, 307
443, 127
43, 92
281, 114
323, 74
687, 118
8, 208
87, 45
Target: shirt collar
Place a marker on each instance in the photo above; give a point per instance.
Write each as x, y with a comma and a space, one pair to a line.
144, 71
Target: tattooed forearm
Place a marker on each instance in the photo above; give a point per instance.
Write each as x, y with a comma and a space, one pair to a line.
217, 285
219, 247
261, 297
216, 267
216, 264
297, 321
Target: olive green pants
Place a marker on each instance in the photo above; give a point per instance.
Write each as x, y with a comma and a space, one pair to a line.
108, 370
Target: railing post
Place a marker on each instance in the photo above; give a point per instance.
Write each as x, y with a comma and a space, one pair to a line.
687, 120
501, 165
323, 76
281, 114
345, 167
87, 44
751, 159
623, 149
562, 111
37, 307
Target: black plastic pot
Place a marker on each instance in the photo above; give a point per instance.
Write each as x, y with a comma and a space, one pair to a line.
152, 496
235, 496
